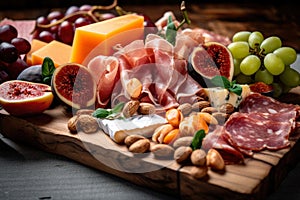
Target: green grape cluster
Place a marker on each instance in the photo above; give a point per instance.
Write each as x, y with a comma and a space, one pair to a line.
260, 59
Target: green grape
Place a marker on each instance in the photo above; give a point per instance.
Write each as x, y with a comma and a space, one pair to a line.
250, 65
277, 89
239, 49
243, 79
255, 39
263, 75
290, 77
287, 54
273, 64
270, 44
237, 63
241, 36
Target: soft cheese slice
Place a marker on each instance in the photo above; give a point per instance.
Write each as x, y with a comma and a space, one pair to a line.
143, 125
219, 96
101, 37
59, 52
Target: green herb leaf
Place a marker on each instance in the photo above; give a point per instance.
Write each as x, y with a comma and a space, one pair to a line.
109, 113
197, 140
171, 31
101, 113
118, 108
48, 69
235, 88
221, 81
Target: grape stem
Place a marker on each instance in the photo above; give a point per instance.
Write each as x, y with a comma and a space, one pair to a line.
90, 13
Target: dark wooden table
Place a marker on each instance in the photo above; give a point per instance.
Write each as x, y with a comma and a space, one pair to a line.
28, 173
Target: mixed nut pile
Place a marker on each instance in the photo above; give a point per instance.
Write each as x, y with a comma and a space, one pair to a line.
171, 140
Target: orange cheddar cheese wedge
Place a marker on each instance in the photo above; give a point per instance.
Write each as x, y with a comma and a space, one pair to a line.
101, 37
35, 45
59, 52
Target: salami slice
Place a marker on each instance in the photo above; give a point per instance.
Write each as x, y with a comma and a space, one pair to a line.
250, 132
215, 140
257, 102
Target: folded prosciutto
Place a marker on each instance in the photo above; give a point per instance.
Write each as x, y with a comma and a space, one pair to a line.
156, 63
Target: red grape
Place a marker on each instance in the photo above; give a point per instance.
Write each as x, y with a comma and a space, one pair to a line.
7, 33
4, 76
42, 20
66, 32
55, 15
22, 45
71, 10
8, 52
46, 36
81, 21
105, 16
15, 68
85, 7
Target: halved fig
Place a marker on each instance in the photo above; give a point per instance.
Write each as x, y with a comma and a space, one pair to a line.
209, 60
21, 98
74, 85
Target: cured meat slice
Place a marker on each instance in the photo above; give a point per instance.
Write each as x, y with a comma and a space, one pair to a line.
215, 140
250, 133
257, 102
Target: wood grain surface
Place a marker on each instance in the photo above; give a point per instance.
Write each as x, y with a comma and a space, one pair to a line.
256, 179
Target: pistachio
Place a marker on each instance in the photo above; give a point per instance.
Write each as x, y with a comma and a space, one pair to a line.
140, 146
87, 123
198, 172
134, 88
182, 153
146, 109
72, 124
130, 108
162, 150
198, 106
221, 117
209, 110
173, 117
198, 157
161, 132
185, 108
130, 139
208, 118
215, 160
183, 142
186, 127
227, 108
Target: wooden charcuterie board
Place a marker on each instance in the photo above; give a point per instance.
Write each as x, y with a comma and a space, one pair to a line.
256, 179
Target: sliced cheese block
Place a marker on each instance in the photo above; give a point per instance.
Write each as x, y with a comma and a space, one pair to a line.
143, 125
35, 45
101, 37
219, 96
59, 52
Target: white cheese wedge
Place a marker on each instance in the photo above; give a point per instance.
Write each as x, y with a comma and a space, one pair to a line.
219, 96
143, 125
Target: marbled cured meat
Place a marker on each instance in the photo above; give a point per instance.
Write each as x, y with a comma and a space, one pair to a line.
257, 102
250, 133
215, 140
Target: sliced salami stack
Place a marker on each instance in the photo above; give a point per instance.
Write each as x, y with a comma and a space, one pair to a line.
261, 123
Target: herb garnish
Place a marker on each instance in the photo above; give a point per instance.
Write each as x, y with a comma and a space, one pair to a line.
232, 86
48, 69
171, 30
113, 113
197, 139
